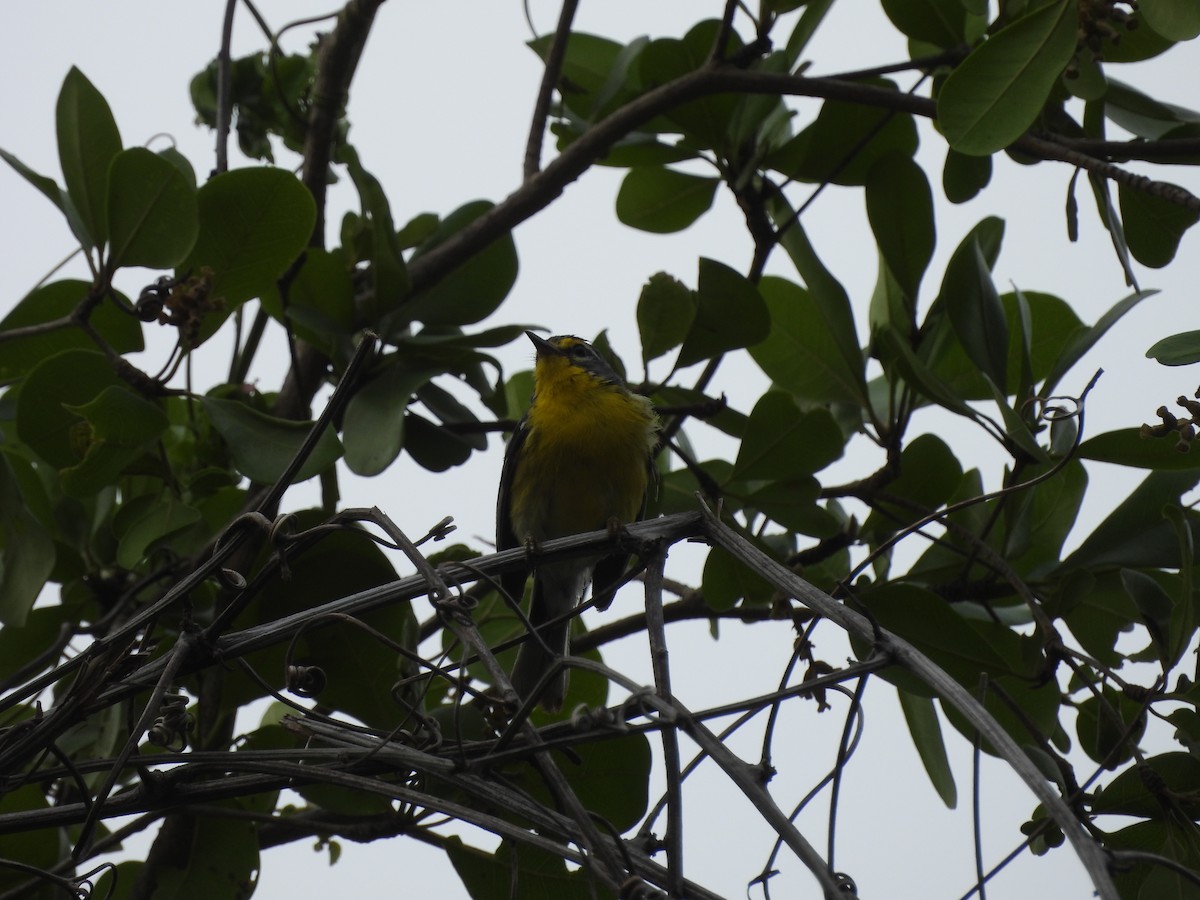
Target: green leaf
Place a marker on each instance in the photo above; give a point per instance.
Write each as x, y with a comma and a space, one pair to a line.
262, 446
44, 422
929, 475
900, 210
994, 95
254, 223
972, 303
389, 277
433, 447
963, 176
320, 300
730, 314
1177, 350
1176, 20
782, 442
922, 718
1136, 534
54, 301
593, 72
219, 859
666, 308
1128, 447
800, 354
727, 580
152, 211
661, 200
708, 121
939, 22
360, 669
44, 183
145, 520
472, 291
1102, 726
373, 431
518, 870
1052, 324
845, 141
931, 625
1085, 338
1154, 226
27, 554
610, 778
88, 140
121, 427
830, 301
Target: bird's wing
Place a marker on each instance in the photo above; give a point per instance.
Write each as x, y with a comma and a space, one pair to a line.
513, 582
610, 571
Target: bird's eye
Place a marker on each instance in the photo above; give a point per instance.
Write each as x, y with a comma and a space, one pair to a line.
578, 351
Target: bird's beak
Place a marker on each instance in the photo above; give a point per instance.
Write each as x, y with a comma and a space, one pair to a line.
543, 346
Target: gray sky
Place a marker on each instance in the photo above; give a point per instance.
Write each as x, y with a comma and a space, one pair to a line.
439, 112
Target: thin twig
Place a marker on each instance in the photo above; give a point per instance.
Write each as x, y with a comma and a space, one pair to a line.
550, 75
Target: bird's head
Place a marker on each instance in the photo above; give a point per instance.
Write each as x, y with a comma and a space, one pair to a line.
565, 358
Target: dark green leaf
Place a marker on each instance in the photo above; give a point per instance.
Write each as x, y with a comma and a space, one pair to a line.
931, 625
1040, 518
800, 354
830, 302
995, 94
665, 311
433, 447
1109, 729
790, 502
730, 314
727, 580
389, 277
938, 22
963, 176
782, 442
929, 476
661, 200
55, 301
900, 210
44, 423
152, 212
320, 300
845, 142
253, 225
121, 426
145, 520
1153, 226
1136, 534
26, 554
221, 858
706, 122
476, 288
593, 70
1097, 610
87, 142
360, 668
262, 446
1176, 20
1128, 447
1126, 794
1177, 350
1085, 338
922, 718
518, 870
45, 184
972, 303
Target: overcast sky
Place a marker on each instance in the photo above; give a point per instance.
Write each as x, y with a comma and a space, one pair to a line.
439, 114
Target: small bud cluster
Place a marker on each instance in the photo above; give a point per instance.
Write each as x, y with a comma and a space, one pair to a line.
1184, 429
1100, 21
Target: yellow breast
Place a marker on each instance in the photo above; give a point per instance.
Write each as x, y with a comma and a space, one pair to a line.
585, 459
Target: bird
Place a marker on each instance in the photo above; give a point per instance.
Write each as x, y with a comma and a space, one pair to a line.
581, 459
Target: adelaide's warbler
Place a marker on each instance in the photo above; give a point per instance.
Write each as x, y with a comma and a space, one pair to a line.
581, 460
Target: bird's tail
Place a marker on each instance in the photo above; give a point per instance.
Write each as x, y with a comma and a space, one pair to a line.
534, 660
